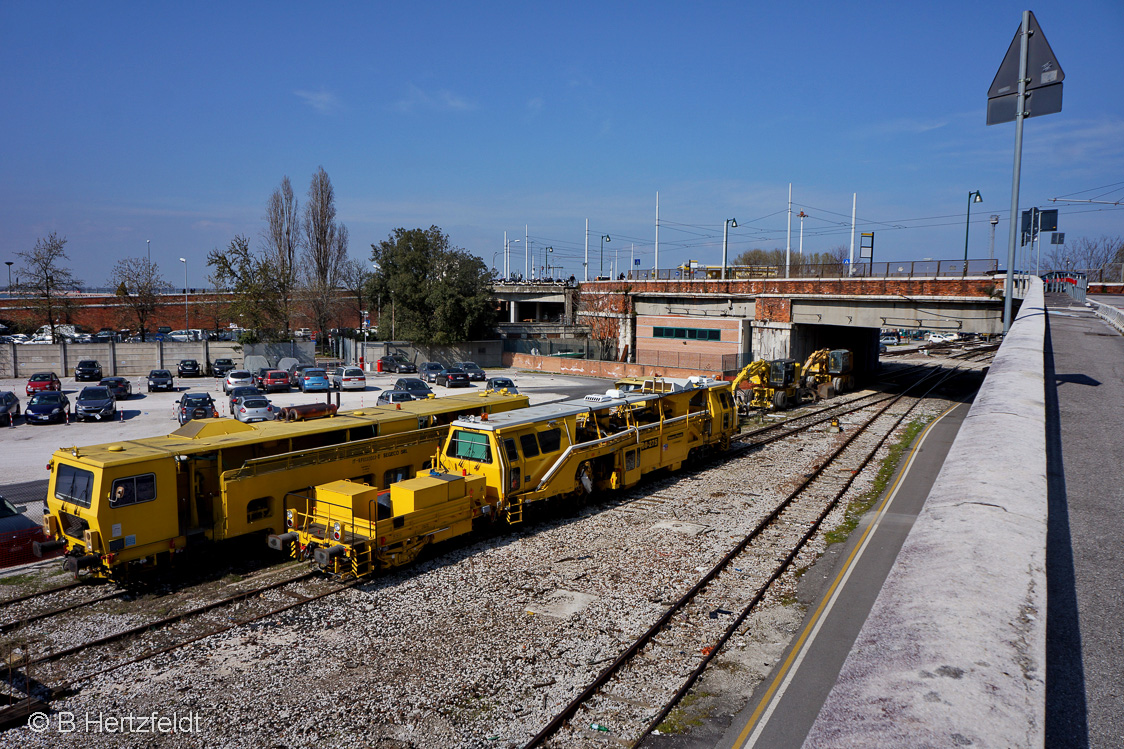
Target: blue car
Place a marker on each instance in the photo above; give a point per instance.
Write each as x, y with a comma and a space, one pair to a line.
314, 379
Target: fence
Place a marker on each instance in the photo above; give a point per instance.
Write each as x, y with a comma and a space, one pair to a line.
573, 348
1114, 316
904, 269
701, 362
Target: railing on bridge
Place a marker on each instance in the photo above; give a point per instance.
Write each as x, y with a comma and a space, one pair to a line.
903, 269
1074, 283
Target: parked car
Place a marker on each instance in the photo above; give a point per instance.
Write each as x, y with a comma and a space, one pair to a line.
255, 408
314, 379
17, 534
195, 406
430, 370
453, 378
121, 388
95, 403
160, 379
397, 364
390, 397
349, 378
243, 391
220, 367
41, 381
235, 378
259, 376
87, 369
9, 407
889, 339
474, 372
275, 379
942, 337
188, 368
501, 383
414, 386
45, 407
296, 372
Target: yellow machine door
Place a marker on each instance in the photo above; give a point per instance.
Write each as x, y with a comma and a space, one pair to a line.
631, 465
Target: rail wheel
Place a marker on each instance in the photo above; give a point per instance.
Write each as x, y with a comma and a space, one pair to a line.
780, 400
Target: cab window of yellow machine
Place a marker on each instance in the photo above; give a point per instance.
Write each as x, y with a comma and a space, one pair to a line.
74, 485
132, 490
530, 446
550, 440
471, 446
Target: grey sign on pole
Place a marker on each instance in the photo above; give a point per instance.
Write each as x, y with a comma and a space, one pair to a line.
1057, 237
1043, 85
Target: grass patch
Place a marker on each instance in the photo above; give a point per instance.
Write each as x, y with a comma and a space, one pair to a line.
23, 579
685, 715
858, 507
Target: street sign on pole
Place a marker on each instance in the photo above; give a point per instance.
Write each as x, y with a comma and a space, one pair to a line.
1057, 237
1044, 78
866, 246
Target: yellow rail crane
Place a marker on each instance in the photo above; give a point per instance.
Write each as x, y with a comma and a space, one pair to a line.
772, 384
829, 367
111, 507
492, 466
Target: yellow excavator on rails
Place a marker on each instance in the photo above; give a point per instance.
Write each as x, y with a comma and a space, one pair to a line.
772, 384
828, 367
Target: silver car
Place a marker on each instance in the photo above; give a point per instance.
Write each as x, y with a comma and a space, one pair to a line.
390, 397
236, 377
253, 408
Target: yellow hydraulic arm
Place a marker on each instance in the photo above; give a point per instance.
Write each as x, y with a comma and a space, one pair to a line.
758, 369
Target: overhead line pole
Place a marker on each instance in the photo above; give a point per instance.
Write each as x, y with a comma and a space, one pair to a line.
1020, 107
854, 206
788, 241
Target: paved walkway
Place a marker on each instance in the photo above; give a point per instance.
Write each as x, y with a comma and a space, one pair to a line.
1085, 566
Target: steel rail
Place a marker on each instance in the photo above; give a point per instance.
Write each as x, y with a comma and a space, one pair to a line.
38, 593
572, 707
23, 621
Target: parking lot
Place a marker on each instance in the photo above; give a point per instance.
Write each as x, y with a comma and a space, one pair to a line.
26, 448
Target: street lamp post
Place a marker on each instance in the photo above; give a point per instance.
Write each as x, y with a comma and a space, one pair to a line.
149, 242
548, 252
967, 223
726, 240
186, 324
604, 238
9, 263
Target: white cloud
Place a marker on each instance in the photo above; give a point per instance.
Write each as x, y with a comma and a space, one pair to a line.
901, 126
324, 102
535, 105
440, 100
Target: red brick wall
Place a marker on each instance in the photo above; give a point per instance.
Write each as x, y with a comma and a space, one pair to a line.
971, 286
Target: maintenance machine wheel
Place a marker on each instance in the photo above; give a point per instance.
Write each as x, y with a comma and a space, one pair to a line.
780, 400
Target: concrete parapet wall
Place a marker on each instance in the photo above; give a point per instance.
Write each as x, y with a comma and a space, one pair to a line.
953, 651
593, 368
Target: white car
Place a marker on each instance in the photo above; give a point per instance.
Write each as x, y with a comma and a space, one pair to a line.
942, 337
349, 378
236, 377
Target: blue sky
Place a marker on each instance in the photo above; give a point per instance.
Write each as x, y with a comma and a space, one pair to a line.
124, 122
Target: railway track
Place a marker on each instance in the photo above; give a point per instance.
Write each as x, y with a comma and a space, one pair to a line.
693, 630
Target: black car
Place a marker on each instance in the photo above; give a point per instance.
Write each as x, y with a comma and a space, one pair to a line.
259, 376
189, 368
397, 364
242, 391
9, 407
474, 372
296, 372
453, 378
430, 370
47, 406
414, 387
87, 369
195, 406
160, 379
119, 386
221, 366
95, 403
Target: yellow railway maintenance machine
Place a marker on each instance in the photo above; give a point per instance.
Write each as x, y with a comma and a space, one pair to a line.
491, 466
829, 367
139, 501
772, 384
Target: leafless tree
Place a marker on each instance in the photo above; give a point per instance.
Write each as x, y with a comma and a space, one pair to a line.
48, 284
137, 281
353, 278
1093, 256
282, 237
325, 248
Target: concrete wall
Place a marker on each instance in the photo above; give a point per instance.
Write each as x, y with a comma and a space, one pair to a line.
484, 353
954, 649
595, 368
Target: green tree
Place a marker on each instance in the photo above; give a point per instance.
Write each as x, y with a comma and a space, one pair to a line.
437, 293
253, 282
137, 281
47, 283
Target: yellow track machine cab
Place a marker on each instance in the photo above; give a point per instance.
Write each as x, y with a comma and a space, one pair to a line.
832, 367
492, 465
112, 506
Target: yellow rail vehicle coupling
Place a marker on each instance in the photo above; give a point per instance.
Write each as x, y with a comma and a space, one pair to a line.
492, 466
116, 505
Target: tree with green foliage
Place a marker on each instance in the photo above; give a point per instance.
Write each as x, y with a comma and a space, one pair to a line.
253, 283
437, 293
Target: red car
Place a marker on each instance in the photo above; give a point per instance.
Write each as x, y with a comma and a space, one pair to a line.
275, 379
41, 381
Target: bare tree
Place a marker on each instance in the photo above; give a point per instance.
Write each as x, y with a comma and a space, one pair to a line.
282, 237
250, 278
137, 281
325, 248
1093, 256
354, 277
46, 281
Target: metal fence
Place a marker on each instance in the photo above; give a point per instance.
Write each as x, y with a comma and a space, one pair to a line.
697, 361
576, 348
903, 269
1114, 316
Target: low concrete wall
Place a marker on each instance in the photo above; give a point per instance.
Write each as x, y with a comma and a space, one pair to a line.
593, 368
953, 652
135, 359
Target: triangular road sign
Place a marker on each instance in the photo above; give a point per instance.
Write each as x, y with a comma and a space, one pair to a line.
1044, 79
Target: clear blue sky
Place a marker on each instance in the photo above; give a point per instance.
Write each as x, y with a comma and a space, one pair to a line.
124, 122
